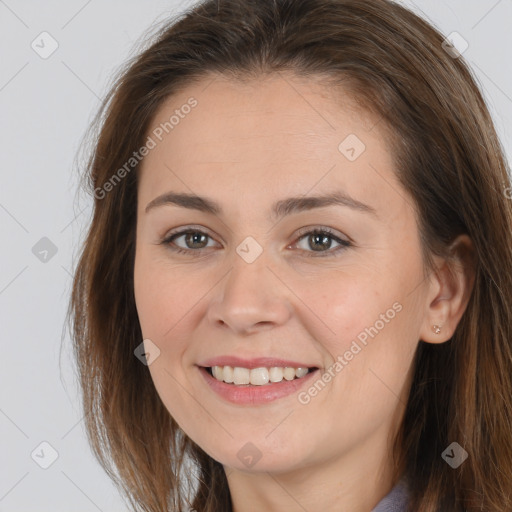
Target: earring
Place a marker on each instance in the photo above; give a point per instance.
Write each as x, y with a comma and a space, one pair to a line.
436, 329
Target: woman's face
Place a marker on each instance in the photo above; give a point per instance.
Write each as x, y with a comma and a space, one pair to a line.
263, 165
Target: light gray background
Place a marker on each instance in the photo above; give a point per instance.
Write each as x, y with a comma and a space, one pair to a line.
46, 106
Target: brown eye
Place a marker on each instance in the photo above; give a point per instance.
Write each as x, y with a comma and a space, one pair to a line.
320, 241
193, 241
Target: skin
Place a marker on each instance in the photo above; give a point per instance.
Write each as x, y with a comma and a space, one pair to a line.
247, 145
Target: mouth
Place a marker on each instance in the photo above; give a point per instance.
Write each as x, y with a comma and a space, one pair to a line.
257, 380
260, 376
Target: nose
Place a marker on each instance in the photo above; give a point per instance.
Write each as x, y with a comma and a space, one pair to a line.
250, 299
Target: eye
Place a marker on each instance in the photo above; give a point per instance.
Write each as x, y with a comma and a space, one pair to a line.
194, 239
319, 240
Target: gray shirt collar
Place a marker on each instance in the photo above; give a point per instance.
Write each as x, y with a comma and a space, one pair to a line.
396, 501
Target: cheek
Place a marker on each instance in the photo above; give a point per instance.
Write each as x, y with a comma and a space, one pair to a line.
342, 305
367, 324
163, 297
163, 294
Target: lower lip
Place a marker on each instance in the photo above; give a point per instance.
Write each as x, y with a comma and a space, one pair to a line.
254, 395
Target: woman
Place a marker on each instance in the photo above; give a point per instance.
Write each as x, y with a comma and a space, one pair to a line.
295, 293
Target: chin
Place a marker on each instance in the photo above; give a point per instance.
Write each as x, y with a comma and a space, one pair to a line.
263, 465
258, 456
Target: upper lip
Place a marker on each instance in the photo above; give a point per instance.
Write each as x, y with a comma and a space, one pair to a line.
257, 362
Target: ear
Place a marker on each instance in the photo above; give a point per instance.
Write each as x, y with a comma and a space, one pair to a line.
450, 287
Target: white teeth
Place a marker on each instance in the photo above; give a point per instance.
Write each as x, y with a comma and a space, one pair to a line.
228, 374
259, 376
300, 372
289, 373
256, 376
276, 374
241, 375
217, 372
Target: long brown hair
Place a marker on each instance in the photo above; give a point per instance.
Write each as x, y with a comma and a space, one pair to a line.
448, 157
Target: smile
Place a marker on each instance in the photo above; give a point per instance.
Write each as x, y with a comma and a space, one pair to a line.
256, 386
240, 376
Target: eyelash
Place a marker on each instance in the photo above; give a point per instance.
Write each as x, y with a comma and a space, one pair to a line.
344, 244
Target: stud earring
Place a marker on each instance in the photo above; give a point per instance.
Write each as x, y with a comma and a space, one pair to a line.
436, 329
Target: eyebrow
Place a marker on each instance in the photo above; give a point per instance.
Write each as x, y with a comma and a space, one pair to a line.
280, 209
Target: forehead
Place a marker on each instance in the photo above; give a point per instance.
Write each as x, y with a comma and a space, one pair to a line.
254, 112
276, 134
